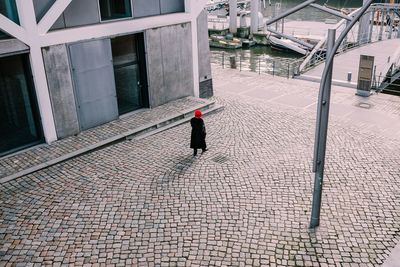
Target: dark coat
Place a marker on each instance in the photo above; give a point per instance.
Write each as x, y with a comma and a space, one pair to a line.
198, 137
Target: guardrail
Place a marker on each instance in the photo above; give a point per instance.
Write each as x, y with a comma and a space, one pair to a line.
282, 67
378, 30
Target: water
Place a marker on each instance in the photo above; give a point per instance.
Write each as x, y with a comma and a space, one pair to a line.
262, 58
257, 59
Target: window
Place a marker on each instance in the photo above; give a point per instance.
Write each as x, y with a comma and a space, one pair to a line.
115, 9
19, 116
9, 9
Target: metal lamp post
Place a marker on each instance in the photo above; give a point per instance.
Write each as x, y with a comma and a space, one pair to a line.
323, 114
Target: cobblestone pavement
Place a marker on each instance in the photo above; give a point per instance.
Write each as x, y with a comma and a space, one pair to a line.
245, 202
44, 153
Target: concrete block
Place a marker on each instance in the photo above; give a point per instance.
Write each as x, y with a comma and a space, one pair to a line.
61, 90
12, 46
80, 13
203, 47
169, 61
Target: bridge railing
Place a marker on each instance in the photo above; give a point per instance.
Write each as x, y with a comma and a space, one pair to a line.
379, 29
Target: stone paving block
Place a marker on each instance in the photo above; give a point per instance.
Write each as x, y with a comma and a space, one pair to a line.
245, 202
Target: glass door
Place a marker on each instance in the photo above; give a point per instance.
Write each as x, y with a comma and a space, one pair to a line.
19, 117
128, 84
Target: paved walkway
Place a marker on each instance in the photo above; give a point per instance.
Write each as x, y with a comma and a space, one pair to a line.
42, 156
245, 202
349, 61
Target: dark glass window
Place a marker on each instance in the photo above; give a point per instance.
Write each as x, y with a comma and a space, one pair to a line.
8, 8
115, 9
19, 120
3, 35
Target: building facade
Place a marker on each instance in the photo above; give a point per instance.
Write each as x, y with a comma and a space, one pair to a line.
70, 65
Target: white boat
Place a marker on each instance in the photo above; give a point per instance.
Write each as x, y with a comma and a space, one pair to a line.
286, 45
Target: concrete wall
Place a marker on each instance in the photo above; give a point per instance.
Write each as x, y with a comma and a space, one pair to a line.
169, 63
205, 79
61, 90
80, 13
12, 46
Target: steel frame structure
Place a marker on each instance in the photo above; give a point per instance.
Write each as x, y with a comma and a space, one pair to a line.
37, 35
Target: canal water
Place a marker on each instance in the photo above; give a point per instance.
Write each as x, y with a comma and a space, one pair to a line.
263, 58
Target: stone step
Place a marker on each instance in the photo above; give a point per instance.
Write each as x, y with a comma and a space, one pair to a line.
186, 117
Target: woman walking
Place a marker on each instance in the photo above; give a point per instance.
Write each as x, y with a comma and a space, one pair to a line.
198, 137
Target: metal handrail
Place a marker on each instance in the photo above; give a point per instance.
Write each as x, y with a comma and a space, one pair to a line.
275, 66
348, 45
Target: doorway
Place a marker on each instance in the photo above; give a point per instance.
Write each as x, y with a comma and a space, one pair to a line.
130, 72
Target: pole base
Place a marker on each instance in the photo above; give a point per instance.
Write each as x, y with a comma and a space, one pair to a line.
363, 93
314, 223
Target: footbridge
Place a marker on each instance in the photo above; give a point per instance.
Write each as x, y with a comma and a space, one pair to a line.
386, 55
376, 34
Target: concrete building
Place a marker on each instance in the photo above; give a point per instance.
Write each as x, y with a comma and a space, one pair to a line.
70, 65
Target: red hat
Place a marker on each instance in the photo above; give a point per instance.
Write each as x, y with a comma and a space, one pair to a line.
198, 114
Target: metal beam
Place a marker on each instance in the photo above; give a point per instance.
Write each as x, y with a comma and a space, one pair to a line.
27, 17
311, 55
331, 11
290, 11
52, 15
381, 26
233, 16
363, 27
291, 38
112, 29
12, 29
371, 26
254, 16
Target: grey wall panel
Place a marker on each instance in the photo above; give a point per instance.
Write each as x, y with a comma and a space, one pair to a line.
41, 7
172, 6
94, 82
203, 47
102, 110
82, 12
177, 61
170, 69
145, 8
12, 46
61, 90
154, 67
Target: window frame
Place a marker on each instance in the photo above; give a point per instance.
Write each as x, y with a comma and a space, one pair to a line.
130, 16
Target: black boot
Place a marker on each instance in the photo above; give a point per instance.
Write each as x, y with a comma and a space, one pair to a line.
194, 152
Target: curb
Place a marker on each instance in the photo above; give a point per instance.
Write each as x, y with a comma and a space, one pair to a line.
317, 79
